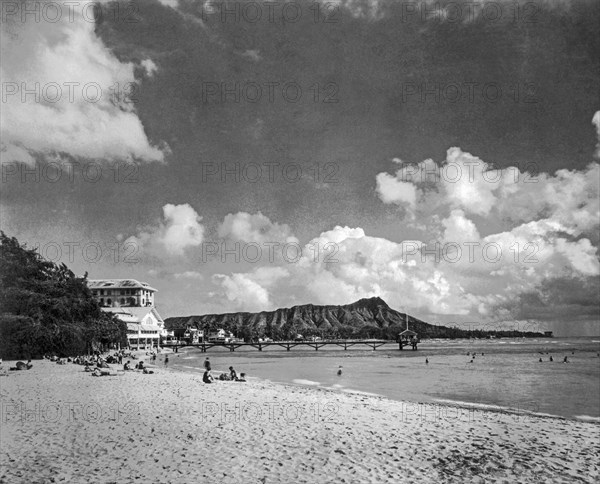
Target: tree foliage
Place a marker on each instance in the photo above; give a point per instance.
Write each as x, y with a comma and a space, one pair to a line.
45, 308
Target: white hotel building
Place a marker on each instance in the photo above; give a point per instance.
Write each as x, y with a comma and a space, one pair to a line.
132, 302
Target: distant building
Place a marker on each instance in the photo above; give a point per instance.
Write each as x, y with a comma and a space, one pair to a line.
133, 303
549, 334
114, 293
220, 336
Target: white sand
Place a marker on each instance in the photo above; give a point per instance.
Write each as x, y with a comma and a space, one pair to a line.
170, 427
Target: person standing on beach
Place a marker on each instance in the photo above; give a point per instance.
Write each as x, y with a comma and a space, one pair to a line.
166, 360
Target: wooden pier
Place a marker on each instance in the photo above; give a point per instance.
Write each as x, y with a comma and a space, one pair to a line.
288, 345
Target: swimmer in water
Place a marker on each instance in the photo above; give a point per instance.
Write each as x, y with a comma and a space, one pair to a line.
566, 360
540, 360
426, 361
339, 372
551, 359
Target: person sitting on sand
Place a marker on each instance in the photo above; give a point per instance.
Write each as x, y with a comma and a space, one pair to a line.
207, 377
148, 372
232, 374
87, 368
127, 366
242, 377
339, 372
22, 366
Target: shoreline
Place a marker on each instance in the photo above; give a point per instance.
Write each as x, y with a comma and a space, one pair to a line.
552, 405
60, 423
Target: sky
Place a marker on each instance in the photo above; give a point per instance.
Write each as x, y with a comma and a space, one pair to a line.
245, 156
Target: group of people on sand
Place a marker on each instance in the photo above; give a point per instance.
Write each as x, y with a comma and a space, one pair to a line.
232, 376
139, 366
98, 365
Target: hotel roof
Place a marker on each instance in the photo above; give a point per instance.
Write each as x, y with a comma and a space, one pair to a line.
118, 284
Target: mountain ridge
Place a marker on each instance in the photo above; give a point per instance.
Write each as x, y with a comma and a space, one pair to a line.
366, 317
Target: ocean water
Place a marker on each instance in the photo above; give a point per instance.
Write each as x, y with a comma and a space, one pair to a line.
508, 375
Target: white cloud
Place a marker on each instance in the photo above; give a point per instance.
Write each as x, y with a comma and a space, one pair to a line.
258, 228
392, 190
252, 54
500, 234
149, 66
596, 122
75, 106
170, 3
189, 275
180, 229
245, 293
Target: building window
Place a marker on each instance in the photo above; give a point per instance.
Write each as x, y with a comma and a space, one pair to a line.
122, 300
101, 301
109, 301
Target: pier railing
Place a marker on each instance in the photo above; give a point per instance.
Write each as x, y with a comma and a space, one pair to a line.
288, 345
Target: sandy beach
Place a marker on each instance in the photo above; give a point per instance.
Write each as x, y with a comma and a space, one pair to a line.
60, 424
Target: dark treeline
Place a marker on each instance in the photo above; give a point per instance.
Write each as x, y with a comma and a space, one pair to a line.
46, 309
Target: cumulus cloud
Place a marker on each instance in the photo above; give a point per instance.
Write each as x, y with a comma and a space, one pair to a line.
251, 291
596, 122
504, 196
245, 227
394, 190
149, 66
189, 275
489, 237
245, 293
63, 89
500, 233
179, 230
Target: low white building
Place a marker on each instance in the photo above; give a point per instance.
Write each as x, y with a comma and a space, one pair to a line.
145, 327
221, 336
